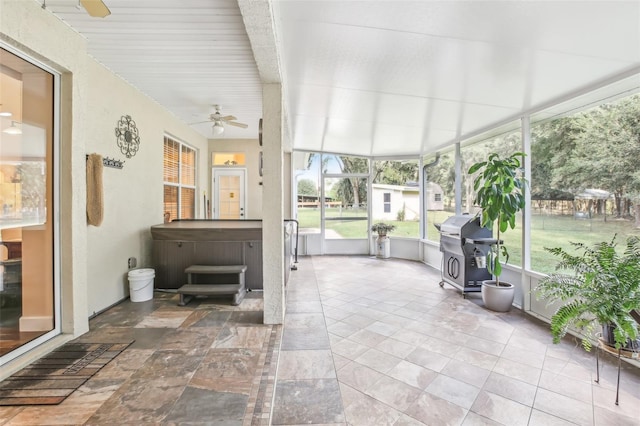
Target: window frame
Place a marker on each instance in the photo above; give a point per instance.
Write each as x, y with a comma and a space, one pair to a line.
181, 146
386, 205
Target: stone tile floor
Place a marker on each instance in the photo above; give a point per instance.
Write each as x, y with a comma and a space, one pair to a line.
378, 342
365, 342
201, 364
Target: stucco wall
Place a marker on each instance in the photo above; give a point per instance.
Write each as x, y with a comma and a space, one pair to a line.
133, 196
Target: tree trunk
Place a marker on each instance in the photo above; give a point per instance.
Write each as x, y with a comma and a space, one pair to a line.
356, 192
470, 196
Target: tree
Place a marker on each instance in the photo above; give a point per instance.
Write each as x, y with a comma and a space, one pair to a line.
307, 187
443, 173
503, 145
395, 172
597, 148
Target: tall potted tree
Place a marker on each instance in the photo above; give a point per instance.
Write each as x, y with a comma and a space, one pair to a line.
500, 193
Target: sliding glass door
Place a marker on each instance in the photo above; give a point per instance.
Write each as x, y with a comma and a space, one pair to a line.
27, 287
345, 214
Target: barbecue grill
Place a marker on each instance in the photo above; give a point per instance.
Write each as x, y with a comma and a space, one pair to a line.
464, 245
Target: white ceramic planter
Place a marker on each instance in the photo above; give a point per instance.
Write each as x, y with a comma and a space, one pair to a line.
497, 298
383, 247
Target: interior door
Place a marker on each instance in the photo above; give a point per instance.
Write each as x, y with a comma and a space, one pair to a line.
229, 193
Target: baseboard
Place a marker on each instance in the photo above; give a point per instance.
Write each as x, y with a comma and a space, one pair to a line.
36, 323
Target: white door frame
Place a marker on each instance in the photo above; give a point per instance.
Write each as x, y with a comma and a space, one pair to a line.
348, 246
216, 172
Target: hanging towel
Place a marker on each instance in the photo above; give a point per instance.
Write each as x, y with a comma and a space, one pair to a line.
95, 202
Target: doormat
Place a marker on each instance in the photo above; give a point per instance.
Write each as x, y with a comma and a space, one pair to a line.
54, 377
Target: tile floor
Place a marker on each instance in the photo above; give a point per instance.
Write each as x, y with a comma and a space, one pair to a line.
201, 364
365, 342
378, 342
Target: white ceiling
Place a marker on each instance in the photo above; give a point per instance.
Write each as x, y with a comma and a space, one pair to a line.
382, 78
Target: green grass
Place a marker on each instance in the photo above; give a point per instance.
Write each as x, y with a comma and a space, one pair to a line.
546, 231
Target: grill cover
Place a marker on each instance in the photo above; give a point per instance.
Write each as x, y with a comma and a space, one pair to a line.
461, 239
464, 226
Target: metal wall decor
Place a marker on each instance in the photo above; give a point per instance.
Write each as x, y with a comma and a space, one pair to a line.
128, 138
111, 162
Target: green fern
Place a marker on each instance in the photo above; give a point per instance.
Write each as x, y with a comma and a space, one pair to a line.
603, 288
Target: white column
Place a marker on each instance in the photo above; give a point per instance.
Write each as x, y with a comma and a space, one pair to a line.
272, 204
458, 180
526, 216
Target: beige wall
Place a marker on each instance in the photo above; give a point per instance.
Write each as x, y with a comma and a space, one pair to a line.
94, 259
133, 195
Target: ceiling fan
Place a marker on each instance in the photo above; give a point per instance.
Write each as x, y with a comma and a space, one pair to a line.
219, 121
95, 8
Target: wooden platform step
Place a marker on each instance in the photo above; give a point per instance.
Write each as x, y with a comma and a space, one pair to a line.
218, 269
203, 289
210, 289
237, 290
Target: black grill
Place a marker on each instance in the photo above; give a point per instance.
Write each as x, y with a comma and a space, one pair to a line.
462, 239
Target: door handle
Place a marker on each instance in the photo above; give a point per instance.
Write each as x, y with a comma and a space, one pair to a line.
456, 268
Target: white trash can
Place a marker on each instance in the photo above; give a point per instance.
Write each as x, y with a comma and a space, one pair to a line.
141, 284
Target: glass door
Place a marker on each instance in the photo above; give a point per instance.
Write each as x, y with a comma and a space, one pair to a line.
28, 302
345, 218
229, 193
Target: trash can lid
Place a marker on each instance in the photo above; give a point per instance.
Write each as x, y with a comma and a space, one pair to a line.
143, 271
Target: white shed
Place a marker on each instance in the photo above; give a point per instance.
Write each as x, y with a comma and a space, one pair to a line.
388, 200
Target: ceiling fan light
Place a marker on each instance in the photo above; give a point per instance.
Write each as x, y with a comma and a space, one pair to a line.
217, 129
13, 129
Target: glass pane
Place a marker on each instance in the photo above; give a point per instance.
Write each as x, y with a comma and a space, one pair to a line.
504, 145
584, 180
187, 203
345, 208
188, 172
308, 190
26, 198
344, 164
440, 191
396, 196
228, 159
170, 203
229, 188
179, 169
171, 160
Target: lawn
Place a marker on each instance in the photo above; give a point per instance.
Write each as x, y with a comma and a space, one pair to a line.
546, 231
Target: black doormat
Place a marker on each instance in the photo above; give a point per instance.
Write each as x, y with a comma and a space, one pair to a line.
54, 377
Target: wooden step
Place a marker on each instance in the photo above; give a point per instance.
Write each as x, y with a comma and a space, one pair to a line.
210, 289
218, 269
237, 290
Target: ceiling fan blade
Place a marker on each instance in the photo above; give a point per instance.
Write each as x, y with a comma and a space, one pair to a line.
199, 122
231, 123
228, 118
96, 8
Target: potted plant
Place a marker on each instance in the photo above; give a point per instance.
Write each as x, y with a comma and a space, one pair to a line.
383, 249
603, 289
382, 228
499, 188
